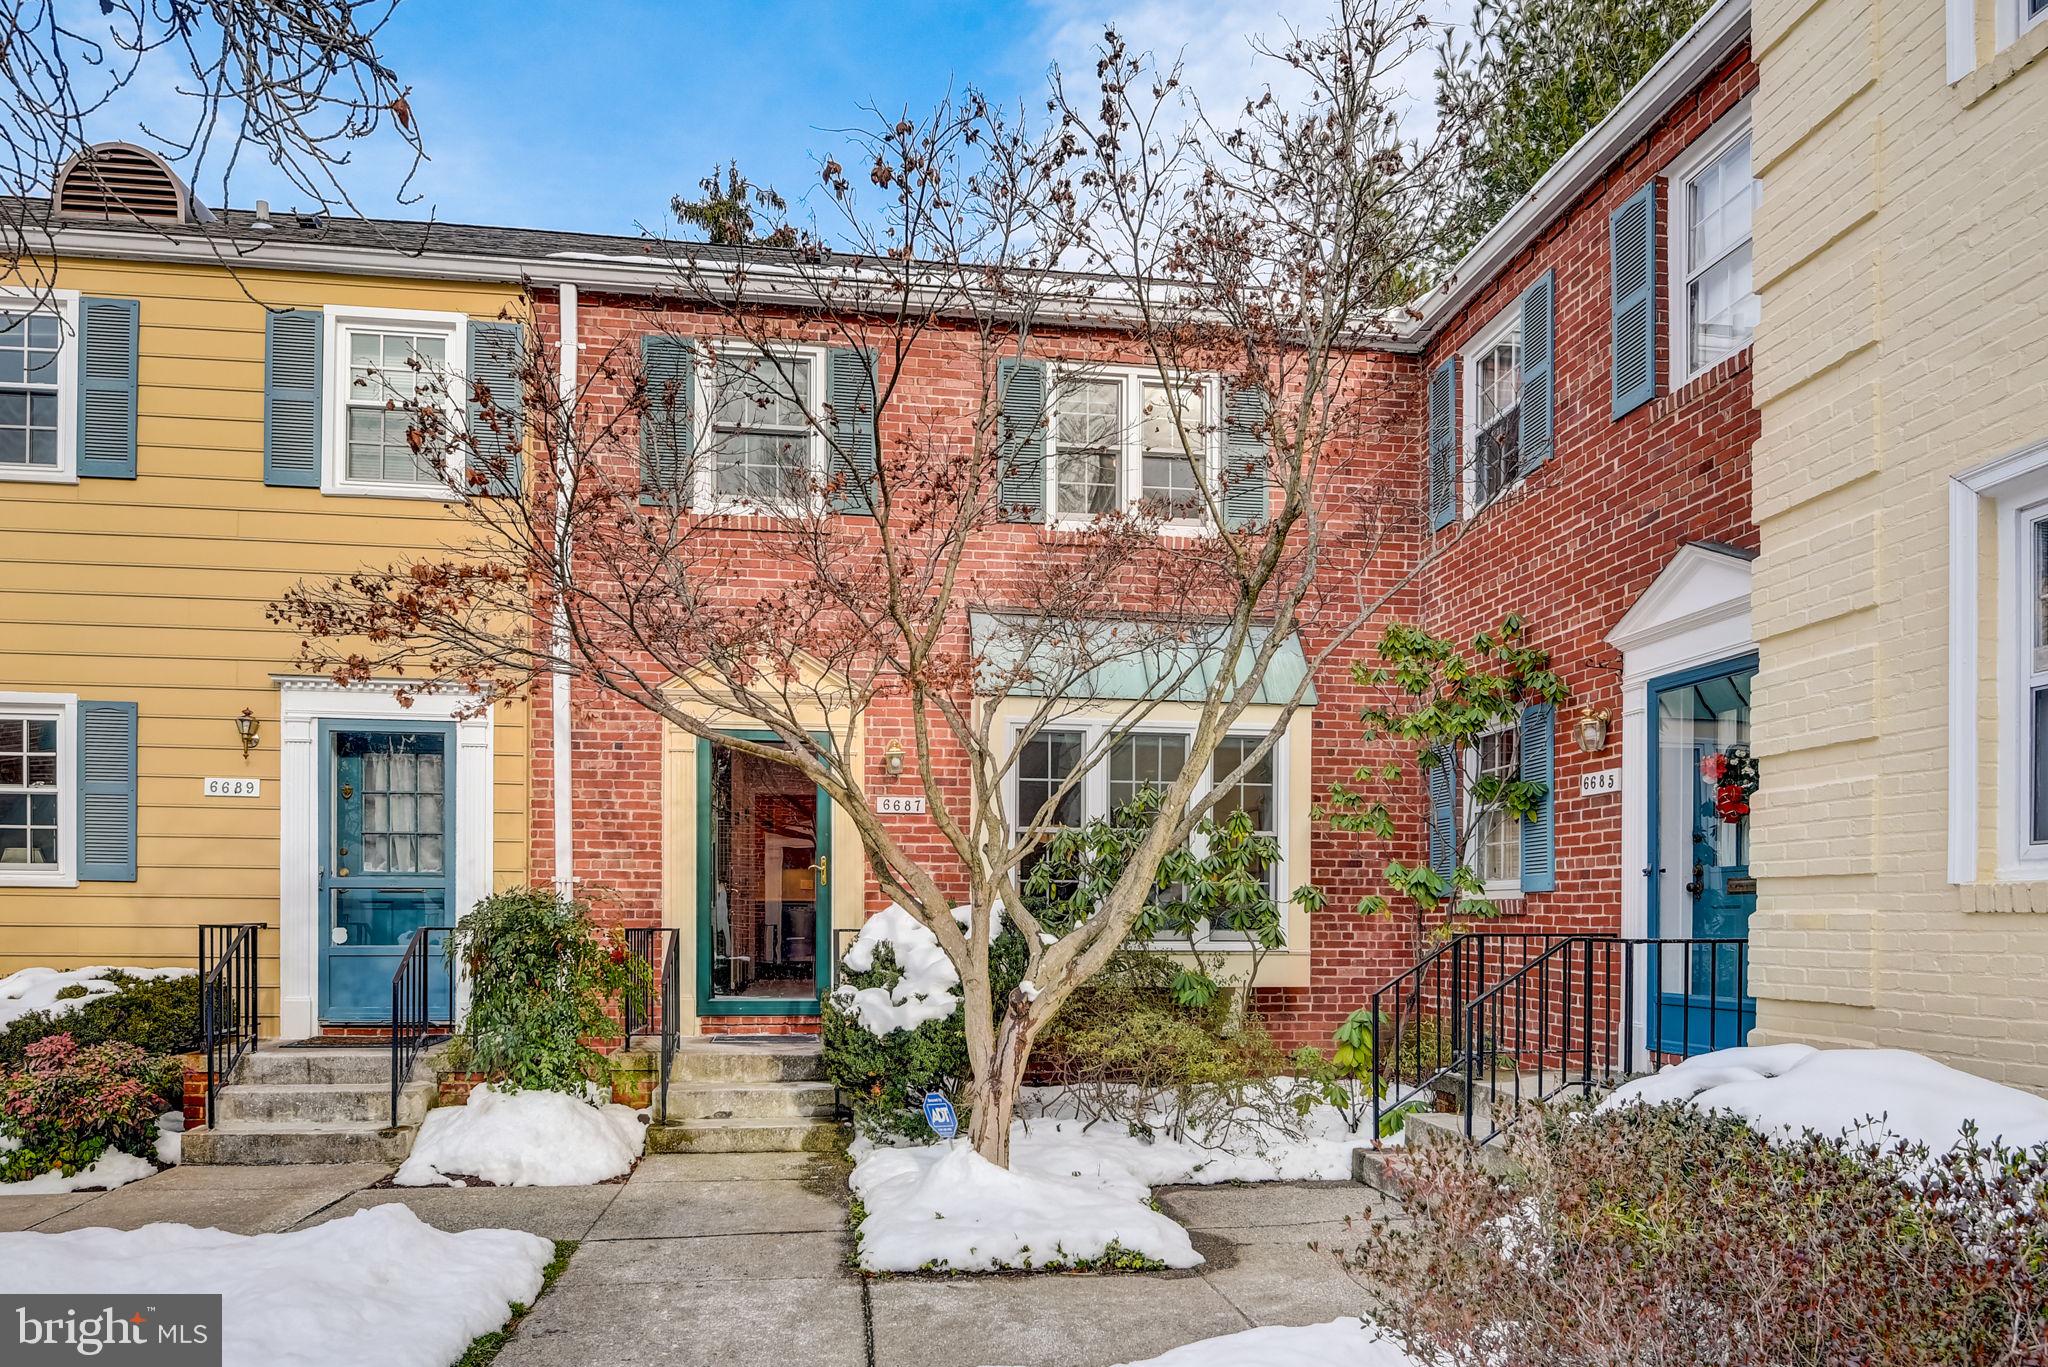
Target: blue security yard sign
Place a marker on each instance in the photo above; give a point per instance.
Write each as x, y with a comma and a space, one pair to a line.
939, 1114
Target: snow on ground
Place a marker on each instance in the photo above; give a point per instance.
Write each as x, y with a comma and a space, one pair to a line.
1052, 1141
1878, 1094
317, 1297
1340, 1343
36, 989
524, 1139
925, 991
111, 1169
944, 1205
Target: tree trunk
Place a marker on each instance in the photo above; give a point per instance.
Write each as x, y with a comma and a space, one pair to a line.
993, 1096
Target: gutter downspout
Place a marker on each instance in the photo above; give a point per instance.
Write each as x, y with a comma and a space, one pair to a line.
559, 745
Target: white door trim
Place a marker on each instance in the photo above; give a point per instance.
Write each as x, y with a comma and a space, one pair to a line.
302, 705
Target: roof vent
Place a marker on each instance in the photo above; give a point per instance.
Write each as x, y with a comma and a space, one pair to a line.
119, 181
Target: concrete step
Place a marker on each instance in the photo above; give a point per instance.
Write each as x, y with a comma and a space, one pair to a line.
317, 1105
250, 1144
1384, 1170
744, 1136
269, 1065
748, 1059
750, 1100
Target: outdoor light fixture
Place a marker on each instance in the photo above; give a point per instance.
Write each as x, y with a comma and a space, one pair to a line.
1593, 731
892, 759
249, 729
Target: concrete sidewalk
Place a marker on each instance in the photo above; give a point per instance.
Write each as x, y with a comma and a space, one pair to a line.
740, 1260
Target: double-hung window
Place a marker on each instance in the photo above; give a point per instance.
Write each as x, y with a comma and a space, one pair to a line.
1122, 441
1494, 380
387, 365
2034, 684
37, 802
36, 437
1713, 209
1496, 853
1257, 795
761, 449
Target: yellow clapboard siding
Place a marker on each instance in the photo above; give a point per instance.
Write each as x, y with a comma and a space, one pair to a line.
154, 591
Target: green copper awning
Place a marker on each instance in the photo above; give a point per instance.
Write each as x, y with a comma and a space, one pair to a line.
1123, 661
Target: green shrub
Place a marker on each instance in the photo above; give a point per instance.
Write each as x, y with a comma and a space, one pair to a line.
70, 1103
541, 980
1662, 1234
156, 1015
885, 1077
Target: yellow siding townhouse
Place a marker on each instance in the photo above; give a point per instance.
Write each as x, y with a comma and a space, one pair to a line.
181, 442
1901, 485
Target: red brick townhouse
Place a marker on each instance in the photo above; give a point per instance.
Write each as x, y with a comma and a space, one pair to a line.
1575, 403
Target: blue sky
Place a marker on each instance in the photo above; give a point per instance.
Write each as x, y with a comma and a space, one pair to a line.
591, 116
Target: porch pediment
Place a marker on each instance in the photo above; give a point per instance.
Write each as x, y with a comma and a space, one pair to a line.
1704, 583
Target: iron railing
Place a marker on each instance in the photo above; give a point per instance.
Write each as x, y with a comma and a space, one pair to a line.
1591, 1010
412, 1007
1418, 1019
228, 1019
656, 1001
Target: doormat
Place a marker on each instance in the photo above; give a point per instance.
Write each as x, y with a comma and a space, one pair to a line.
351, 1042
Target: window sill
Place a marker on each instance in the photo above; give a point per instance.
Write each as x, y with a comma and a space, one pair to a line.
411, 493
23, 880
2018, 55
2015, 893
26, 476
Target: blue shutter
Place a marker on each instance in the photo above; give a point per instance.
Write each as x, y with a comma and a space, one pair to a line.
1021, 393
497, 357
850, 388
1537, 763
1539, 354
106, 792
669, 365
1443, 796
1246, 501
1632, 268
108, 330
1443, 445
291, 399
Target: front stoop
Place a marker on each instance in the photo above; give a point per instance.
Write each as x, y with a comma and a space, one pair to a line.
313, 1106
741, 1094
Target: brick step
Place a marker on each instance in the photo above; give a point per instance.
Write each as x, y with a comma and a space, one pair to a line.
245, 1143
316, 1105
744, 1136
750, 1101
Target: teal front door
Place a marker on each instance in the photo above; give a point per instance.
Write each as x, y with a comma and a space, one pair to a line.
764, 887
1701, 890
387, 865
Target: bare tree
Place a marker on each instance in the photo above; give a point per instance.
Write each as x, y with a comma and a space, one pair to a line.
910, 586
298, 85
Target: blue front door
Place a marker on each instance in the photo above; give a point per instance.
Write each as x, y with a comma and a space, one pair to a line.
1700, 885
387, 866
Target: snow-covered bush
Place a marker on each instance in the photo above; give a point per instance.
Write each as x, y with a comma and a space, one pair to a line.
156, 1010
1659, 1232
69, 1104
893, 1029
542, 979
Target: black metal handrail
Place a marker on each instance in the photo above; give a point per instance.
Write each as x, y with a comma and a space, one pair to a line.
412, 1007
660, 949
228, 1020
1567, 1019
1436, 990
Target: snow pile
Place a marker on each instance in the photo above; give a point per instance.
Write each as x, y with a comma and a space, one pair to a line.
111, 1169
944, 1205
1052, 1141
170, 1138
318, 1297
1875, 1095
524, 1139
924, 992
1340, 1343
36, 989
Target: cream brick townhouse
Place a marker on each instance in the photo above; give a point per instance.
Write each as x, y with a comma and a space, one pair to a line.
1901, 487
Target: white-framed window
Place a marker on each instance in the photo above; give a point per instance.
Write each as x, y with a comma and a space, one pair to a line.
378, 362
1496, 841
38, 797
1493, 379
38, 377
1712, 208
1119, 441
761, 450
1149, 755
2029, 686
